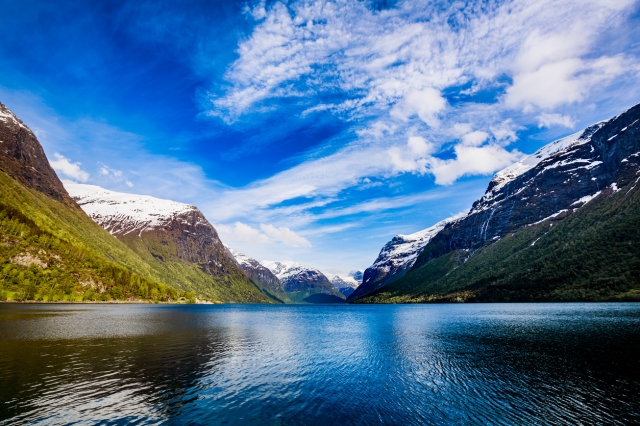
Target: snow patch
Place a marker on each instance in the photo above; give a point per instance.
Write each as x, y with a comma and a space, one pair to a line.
288, 269
513, 171
584, 200
125, 213
552, 216
403, 250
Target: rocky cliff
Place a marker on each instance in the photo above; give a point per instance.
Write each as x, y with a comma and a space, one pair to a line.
175, 238
50, 250
561, 224
23, 159
554, 181
397, 257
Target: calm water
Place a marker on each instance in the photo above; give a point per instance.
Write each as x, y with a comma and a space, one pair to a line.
281, 365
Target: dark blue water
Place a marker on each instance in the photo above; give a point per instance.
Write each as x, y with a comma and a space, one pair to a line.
320, 365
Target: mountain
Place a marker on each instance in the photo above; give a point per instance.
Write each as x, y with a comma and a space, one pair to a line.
397, 257
49, 248
304, 284
23, 159
561, 224
175, 239
261, 276
346, 284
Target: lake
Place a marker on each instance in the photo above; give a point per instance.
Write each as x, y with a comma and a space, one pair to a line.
320, 365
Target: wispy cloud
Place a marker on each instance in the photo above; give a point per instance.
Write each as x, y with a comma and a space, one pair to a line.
396, 65
285, 235
400, 59
242, 232
549, 120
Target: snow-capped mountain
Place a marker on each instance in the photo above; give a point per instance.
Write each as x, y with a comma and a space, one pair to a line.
174, 237
302, 283
346, 284
551, 183
397, 257
122, 214
266, 280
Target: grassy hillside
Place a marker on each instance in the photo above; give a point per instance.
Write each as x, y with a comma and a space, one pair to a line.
85, 262
591, 255
53, 252
160, 253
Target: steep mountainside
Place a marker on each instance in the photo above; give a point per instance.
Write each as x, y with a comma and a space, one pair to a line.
397, 257
559, 225
261, 276
23, 159
348, 283
304, 284
49, 248
561, 176
174, 238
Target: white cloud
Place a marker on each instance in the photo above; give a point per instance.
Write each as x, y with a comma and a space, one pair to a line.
476, 138
419, 145
399, 60
549, 120
476, 154
472, 160
285, 235
393, 67
242, 232
72, 170
560, 83
426, 104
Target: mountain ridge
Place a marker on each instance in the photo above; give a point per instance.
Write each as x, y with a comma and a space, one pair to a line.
544, 189
261, 276
174, 238
304, 284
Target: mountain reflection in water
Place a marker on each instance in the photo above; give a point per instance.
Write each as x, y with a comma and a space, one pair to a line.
239, 364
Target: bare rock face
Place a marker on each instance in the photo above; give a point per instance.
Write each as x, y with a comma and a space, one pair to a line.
549, 184
396, 258
169, 230
552, 182
23, 159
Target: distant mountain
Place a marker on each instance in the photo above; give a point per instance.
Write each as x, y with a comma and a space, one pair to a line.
561, 224
49, 248
174, 238
348, 283
397, 257
261, 276
304, 284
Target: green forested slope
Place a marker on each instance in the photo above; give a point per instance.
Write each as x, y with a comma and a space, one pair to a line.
85, 262
591, 255
161, 254
50, 250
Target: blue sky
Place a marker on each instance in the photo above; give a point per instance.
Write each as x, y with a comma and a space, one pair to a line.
312, 131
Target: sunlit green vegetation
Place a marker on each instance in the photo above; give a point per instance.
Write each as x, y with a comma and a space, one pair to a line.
36, 265
86, 263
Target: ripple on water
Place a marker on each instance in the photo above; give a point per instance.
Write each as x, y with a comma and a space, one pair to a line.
433, 364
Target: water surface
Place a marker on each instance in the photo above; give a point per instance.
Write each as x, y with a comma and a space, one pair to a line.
290, 365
